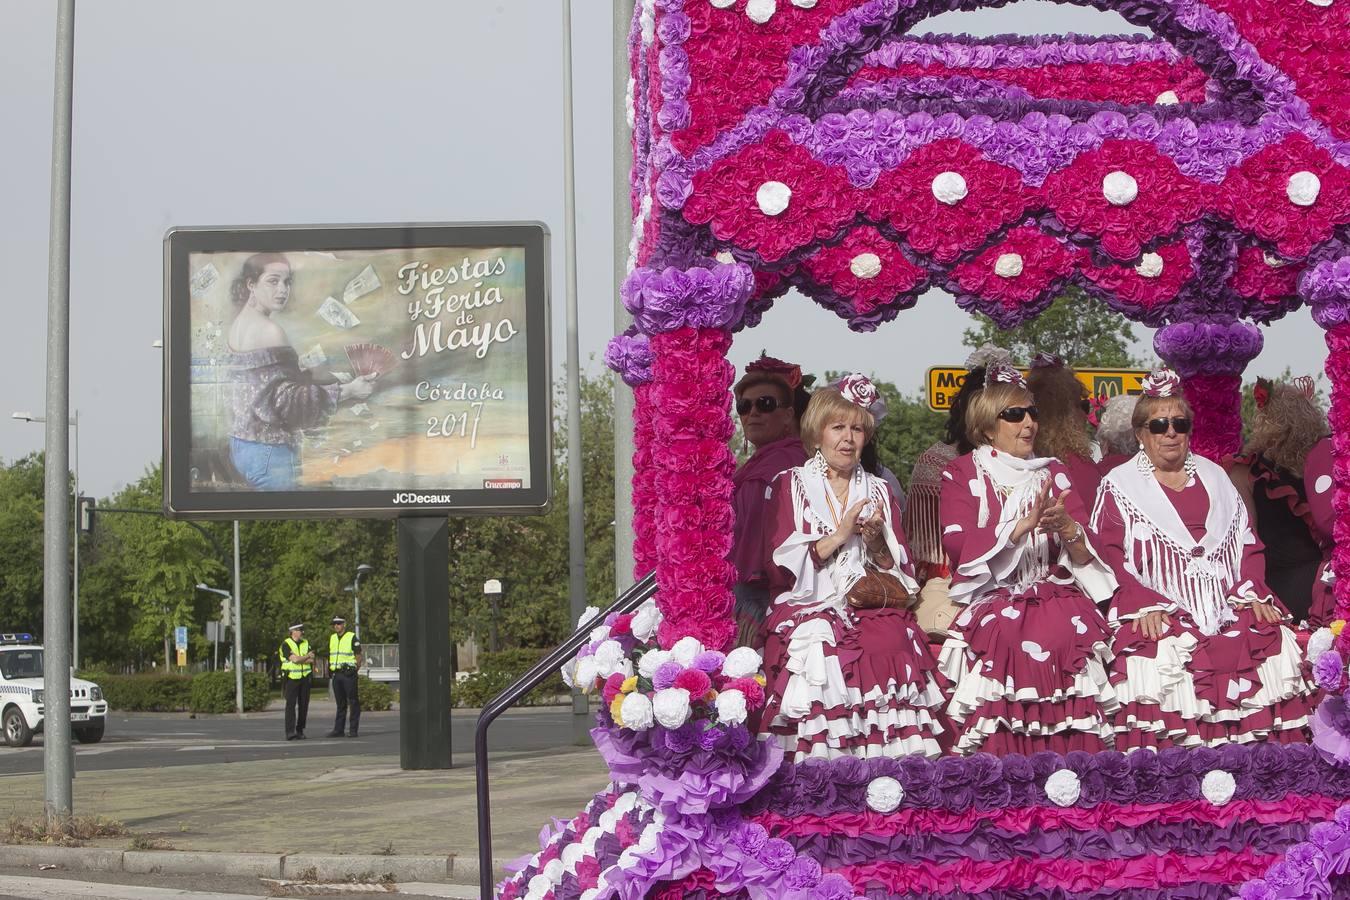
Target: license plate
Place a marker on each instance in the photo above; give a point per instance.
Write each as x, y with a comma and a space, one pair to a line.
79, 717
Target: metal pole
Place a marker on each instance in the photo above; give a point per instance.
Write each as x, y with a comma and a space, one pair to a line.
623, 226
238, 631
58, 762
356, 602
75, 536
576, 524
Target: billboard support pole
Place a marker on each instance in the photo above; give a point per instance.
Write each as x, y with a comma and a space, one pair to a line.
424, 642
57, 750
623, 226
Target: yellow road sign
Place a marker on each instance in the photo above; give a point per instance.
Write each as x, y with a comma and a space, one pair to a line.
945, 381
182, 657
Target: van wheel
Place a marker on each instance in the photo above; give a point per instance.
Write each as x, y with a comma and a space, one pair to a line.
17, 732
91, 733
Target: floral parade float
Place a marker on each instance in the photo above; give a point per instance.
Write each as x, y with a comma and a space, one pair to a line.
1196, 180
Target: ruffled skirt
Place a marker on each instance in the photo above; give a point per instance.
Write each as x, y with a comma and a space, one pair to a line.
1031, 673
864, 688
1244, 684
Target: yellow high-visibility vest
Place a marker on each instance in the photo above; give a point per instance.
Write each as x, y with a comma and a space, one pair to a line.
294, 669
340, 651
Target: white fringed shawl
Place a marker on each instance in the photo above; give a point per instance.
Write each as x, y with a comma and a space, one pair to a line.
1159, 550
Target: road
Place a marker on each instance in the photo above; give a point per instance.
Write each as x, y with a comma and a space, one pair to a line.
114, 886
153, 740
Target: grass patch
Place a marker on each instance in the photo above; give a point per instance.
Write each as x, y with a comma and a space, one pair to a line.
72, 832
146, 842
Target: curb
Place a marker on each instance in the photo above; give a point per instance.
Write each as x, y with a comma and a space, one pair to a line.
451, 869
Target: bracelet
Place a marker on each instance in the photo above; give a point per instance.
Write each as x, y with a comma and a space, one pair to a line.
1077, 536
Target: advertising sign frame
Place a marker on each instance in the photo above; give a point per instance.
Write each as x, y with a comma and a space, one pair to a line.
182, 502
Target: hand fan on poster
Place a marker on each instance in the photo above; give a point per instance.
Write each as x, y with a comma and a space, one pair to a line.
370, 359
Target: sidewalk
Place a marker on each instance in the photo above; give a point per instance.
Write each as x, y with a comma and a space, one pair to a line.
288, 807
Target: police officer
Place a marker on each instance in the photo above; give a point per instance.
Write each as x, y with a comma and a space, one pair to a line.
297, 661
344, 659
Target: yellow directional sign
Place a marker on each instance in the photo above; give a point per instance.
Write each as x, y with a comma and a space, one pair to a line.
182, 656
945, 381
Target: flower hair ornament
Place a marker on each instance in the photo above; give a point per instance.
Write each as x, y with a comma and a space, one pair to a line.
1261, 393
1305, 384
988, 355
1003, 373
1047, 361
791, 374
1162, 383
859, 390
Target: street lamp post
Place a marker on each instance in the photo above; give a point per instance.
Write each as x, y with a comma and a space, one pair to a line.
233, 622
493, 589
355, 589
75, 583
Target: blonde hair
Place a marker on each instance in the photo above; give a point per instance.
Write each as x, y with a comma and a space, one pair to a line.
1059, 395
828, 405
982, 413
1286, 428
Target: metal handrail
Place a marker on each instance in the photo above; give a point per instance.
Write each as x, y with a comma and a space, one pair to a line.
628, 601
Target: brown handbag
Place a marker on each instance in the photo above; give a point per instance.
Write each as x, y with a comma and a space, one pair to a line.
876, 590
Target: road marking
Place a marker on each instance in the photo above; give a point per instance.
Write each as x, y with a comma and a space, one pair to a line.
63, 889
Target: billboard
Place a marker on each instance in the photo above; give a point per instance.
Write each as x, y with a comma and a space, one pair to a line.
374, 370
945, 381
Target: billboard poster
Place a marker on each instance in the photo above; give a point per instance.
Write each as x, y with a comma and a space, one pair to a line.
380, 370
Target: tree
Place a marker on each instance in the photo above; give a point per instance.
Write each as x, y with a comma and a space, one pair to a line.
1076, 328
21, 497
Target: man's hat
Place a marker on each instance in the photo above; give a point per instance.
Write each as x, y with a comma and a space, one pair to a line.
338, 620
298, 626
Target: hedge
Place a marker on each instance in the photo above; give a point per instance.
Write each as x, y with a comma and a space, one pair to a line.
213, 692
495, 673
375, 696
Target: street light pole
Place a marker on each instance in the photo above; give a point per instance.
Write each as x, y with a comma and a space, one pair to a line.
355, 588
238, 631
75, 535
493, 589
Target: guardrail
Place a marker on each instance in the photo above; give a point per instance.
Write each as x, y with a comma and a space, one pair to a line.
628, 601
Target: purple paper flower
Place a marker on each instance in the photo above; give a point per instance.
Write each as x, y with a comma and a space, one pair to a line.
777, 854
682, 739
750, 837
630, 357
709, 661
804, 873
833, 887
666, 674
1328, 670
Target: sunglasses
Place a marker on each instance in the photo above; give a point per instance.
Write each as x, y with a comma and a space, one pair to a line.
763, 404
1180, 424
1016, 414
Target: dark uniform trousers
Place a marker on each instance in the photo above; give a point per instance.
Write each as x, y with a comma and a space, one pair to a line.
296, 692
344, 692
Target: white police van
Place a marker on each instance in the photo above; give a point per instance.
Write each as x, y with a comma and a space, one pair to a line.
21, 706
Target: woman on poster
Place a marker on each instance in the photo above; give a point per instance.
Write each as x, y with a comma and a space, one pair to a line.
274, 398
1203, 654
1029, 653
849, 672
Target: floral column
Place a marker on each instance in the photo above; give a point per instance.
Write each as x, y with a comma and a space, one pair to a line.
682, 486
1326, 287
1210, 358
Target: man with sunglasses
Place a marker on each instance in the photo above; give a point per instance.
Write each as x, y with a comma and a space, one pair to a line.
1203, 651
767, 400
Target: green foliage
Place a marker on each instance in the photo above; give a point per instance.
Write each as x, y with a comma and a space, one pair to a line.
1081, 331
21, 491
146, 693
213, 692
376, 696
496, 672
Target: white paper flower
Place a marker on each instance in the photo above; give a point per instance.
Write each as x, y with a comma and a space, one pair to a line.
1303, 188
1322, 3
600, 633
741, 662
636, 711
950, 188
571, 855
568, 672
608, 657
585, 674
588, 840
590, 894
645, 621
685, 649
773, 197
1008, 265
722, 4
760, 11
628, 858
1320, 643
1150, 265
608, 820
671, 707
1218, 787
804, 4
1120, 188
724, 257
884, 794
630, 112
1062, 787
626, 802
540, 885
731, 707
649, 839
1273, 261
554, 870
865, 265
1167, 98
587, 614
652, 660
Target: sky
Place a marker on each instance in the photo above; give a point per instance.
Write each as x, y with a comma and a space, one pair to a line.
257, 112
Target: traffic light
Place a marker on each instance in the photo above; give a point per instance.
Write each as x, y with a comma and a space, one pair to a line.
86, 510
226, 619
